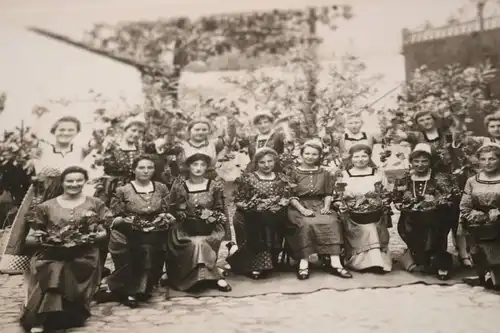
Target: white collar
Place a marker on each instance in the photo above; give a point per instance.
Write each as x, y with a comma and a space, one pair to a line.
414, 177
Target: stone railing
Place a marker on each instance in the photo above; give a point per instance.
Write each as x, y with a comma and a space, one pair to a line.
410, 37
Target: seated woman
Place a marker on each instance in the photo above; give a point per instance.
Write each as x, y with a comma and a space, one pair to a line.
194, 240
313, 227
138, 236
65, 276
480, 216
261, 197
366, 234
425, 235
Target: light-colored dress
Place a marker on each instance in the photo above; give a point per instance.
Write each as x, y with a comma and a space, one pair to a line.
482, 195
367, 245
319, 234
348, 140
62, 288
210, 148
192, 257
138, 256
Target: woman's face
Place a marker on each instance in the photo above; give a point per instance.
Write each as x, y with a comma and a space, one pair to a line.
426, 122
65, 132
264, 125
133, 133
310, 155
360, 159
199, 132
198, 168
489, 162
354, 125
144, 170
421, 164
494, 128
266, 164
73, 183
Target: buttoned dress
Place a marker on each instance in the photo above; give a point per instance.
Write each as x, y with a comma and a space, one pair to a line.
138, 256
192, 258
318, 234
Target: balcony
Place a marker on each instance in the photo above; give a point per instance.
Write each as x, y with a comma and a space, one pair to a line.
460, 29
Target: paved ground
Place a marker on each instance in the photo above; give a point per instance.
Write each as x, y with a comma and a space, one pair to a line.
408, 309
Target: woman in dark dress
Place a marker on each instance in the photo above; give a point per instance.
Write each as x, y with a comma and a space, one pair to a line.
263, 227
64, 279
314, 228
193, 243
425, 235
138, 236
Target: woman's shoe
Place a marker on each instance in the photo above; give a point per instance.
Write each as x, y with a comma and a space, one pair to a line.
466, 262
474, 281
143, 297
130, 301
443, 275
256, 275
105, 296
37, 329
339, 271
223, 286
303, 273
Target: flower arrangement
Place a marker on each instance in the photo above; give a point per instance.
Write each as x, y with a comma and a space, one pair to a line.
478, 218
375, 200
74, 234
147, 224
266, 204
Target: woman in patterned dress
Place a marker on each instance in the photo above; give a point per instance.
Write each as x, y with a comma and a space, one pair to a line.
192, 252
436, 133
138, 254
64, 281
367, 241
118, 157
426, 236
258, 254
481, 205
314, 228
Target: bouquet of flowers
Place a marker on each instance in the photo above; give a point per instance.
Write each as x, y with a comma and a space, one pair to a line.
426, 202
266, 204
155, 223
476, 217
74, 234
372, 201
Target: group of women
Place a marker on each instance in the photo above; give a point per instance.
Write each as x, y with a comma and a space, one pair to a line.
161, 213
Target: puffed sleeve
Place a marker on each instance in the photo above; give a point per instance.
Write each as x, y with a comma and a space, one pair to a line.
118, 204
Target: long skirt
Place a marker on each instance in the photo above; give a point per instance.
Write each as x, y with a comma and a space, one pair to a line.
263, 242
485, 252
319, 234
367, 244
427, 239
138, 258
63, 284
192, 258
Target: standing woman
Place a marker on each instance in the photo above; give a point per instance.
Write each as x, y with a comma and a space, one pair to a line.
53, 158
480, 215
118, 157
366, 238
138, 253
313, 227
425, 232
258, 254
64, 279
193, 243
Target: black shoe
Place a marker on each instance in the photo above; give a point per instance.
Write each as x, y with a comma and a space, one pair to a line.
105, 296
227, 288
143, 297
339, 271
303, 273
130, 301
256, 275
474, 281
443, 276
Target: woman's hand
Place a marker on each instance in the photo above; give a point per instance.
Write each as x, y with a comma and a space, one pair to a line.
39, 235
494, 214
326, 211
307, 212
170, 218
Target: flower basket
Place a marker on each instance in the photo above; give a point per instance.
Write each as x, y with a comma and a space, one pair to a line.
484, 232
197, 227
366, 217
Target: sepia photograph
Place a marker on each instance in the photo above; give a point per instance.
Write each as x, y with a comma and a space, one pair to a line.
256, 166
